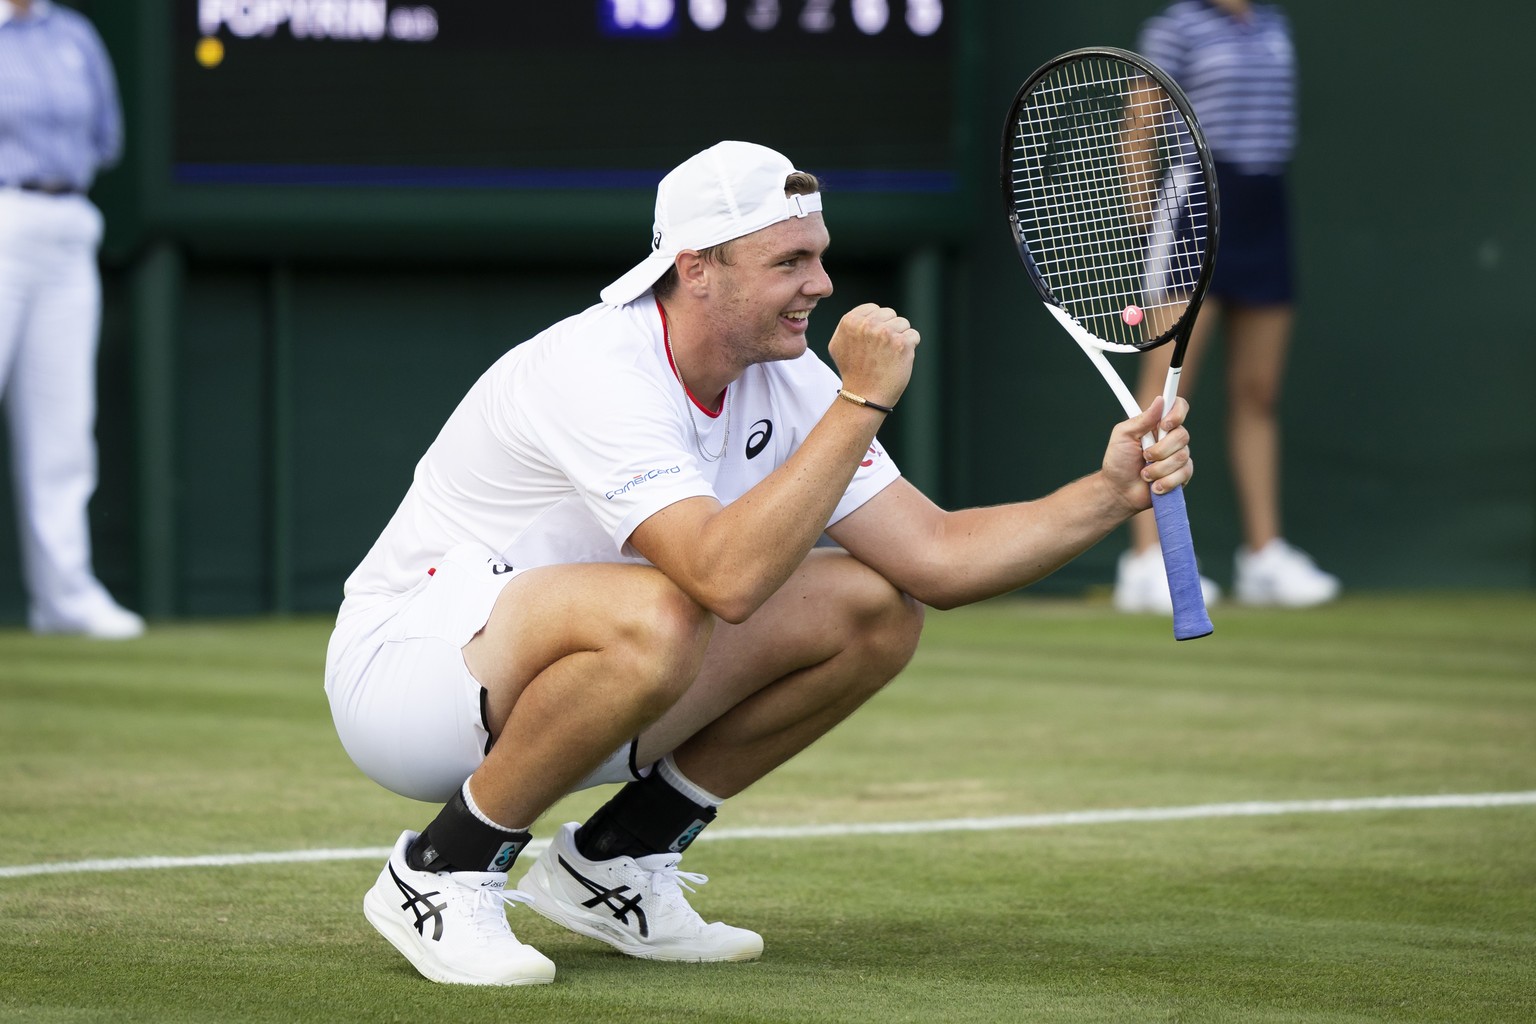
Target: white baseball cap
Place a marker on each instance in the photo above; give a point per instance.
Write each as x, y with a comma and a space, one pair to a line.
729, 190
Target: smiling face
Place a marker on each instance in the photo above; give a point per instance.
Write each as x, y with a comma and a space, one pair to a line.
760, 303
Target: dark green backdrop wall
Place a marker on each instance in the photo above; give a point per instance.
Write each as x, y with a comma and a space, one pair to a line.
268, 381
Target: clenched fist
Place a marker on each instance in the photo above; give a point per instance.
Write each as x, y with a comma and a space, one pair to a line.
873, 348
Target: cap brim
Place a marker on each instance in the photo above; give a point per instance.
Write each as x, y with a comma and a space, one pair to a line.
633, 283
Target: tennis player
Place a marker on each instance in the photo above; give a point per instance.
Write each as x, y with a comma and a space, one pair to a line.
607, 570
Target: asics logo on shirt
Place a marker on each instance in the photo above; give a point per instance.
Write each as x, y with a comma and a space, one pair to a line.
758, 439
421, 904
614, 899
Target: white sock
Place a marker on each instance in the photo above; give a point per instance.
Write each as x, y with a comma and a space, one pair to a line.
686, 786
474, 808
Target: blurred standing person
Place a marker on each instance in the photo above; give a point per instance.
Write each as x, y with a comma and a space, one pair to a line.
1236, 62
60, 122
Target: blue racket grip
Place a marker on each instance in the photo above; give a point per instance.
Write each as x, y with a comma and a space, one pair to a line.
1190, 620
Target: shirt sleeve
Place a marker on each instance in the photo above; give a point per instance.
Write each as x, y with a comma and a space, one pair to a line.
107, 119
1161, 42
616, 437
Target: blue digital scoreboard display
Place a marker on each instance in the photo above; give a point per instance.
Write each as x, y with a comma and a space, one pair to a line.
566, 94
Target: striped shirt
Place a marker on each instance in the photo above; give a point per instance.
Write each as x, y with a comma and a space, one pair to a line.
60, 118
1239, 74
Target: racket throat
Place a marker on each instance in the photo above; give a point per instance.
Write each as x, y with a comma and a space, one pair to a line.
1170, 392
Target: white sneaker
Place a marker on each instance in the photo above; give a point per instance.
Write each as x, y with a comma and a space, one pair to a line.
452, 926
1141, 584
107, 621
1278, 574
634, 904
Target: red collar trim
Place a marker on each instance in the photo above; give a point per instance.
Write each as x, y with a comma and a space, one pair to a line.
666, 341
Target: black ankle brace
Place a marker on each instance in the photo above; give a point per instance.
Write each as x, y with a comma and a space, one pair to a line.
644, 817
457, 840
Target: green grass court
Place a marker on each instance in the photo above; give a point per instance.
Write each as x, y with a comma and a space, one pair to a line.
213, 738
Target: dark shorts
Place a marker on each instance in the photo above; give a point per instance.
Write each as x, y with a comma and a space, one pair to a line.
1253, 256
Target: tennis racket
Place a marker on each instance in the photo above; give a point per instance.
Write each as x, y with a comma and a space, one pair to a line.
1111, 197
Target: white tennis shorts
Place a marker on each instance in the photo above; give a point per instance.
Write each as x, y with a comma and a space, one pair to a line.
407, 710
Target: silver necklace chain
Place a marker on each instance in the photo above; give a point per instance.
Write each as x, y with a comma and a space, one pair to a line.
698, 440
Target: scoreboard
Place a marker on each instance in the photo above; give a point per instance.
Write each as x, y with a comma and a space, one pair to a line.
560, 95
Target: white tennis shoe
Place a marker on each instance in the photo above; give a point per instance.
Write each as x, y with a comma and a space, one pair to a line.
103, 619
634, 904
1278, 574
452, 926
1141, 584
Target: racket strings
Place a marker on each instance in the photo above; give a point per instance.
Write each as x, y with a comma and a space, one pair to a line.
1095, 200
1110, 197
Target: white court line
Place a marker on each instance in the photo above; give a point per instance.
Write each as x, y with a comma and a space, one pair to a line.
875, 828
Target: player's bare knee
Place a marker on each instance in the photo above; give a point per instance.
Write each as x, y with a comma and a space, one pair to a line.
899, 632
1253, 396
884, 622
661, 643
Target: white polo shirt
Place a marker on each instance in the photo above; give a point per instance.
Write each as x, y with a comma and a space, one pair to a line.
573, 438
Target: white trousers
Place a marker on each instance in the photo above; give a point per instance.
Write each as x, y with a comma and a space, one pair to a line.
50, 318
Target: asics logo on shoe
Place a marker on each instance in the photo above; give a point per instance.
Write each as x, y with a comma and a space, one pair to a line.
420, 903
613, 899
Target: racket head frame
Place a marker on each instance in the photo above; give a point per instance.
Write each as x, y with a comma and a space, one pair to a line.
1179, 331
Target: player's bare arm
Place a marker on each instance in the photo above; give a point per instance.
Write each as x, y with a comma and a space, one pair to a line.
947, 559
731, 559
